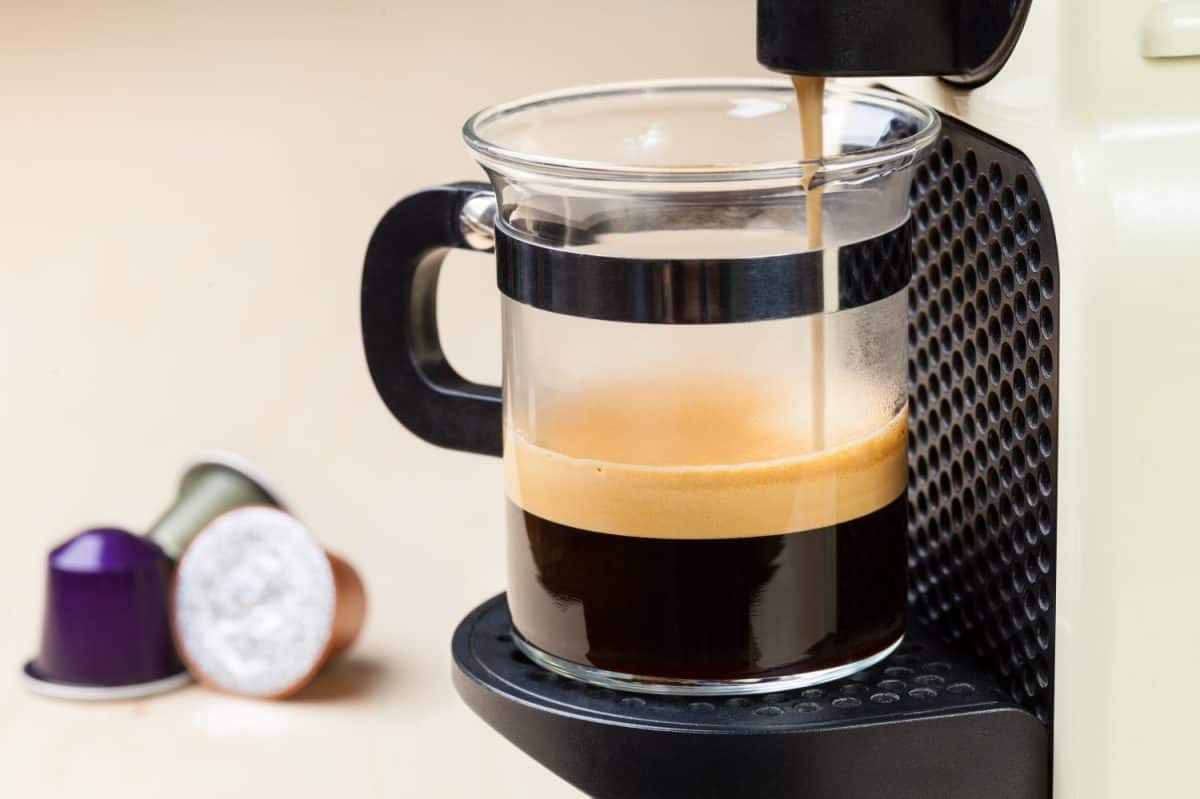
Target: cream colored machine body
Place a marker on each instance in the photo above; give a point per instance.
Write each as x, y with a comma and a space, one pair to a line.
1104, 99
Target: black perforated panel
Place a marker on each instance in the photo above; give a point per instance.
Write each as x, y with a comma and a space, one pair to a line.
983, 380
924, 723
922, 677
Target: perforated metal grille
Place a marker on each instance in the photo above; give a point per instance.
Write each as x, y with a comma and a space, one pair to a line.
983, 383
922, 677
878, 267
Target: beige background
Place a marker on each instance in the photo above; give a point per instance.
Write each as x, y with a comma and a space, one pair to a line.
185, 195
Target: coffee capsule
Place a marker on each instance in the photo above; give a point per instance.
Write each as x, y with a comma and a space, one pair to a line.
258, 606
213, 484
105, 631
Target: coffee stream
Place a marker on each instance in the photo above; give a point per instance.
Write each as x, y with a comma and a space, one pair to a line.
810, 100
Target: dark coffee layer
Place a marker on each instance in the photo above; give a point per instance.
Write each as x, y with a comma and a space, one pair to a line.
713, 608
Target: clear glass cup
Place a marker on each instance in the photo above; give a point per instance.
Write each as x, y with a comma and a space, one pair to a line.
703, 413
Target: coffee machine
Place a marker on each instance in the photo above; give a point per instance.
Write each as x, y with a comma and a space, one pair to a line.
1050, 553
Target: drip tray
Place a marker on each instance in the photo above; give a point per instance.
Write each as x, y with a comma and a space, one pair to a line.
926, 722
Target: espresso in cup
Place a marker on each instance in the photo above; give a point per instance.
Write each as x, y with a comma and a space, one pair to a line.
677, 531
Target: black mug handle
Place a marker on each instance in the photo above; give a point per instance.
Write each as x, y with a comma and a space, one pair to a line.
399, 318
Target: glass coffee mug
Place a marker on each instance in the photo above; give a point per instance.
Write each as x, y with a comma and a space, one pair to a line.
703, 416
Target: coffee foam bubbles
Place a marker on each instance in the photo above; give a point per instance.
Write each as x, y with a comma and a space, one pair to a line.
698, 459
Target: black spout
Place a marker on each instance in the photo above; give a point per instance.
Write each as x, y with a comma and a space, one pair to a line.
967, 40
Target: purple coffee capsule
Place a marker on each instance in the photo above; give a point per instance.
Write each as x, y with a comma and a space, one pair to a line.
106, 631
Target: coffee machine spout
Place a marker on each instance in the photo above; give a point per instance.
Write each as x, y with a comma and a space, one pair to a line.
965, 41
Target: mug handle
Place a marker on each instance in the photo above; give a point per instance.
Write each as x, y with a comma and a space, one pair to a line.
399, 316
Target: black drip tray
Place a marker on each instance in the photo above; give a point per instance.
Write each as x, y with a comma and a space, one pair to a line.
923, 723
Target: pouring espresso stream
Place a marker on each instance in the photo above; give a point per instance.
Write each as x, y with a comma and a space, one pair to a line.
810, 101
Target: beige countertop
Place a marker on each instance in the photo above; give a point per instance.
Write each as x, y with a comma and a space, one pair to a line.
186, 195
